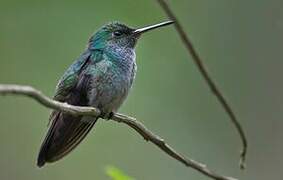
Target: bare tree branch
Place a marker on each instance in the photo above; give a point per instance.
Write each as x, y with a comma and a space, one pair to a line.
130, 121
200, 65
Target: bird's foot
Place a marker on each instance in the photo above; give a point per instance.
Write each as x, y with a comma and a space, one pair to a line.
107, 116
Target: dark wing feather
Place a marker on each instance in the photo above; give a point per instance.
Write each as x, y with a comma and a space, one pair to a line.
66, 130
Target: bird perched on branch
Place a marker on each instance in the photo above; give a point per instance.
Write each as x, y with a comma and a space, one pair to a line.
101, 77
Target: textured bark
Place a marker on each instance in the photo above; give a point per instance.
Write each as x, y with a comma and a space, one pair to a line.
212, 85
130, 121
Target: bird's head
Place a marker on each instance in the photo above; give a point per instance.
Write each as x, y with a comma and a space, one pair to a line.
119, 34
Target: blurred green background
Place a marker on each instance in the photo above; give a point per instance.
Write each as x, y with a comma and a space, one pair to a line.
241, 43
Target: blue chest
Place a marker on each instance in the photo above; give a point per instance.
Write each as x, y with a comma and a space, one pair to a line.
111, 79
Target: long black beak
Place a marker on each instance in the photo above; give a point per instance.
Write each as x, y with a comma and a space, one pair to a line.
151, 27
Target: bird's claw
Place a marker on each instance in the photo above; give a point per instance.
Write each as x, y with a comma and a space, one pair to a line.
107, 116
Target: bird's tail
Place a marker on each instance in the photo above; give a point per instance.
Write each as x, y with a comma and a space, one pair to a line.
64, 134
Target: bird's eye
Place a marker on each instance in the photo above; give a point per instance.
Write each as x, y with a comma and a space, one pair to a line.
117, 33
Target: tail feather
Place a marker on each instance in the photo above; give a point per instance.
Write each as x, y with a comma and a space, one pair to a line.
65, 133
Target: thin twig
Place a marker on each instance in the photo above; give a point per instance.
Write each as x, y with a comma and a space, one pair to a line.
199, 63
130, 121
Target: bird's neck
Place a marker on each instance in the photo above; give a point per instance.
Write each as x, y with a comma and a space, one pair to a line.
122, 58
120, 54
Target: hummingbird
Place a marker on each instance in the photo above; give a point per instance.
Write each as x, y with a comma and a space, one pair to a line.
101, 77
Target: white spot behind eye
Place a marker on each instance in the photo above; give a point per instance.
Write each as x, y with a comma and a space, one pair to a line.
117, 33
